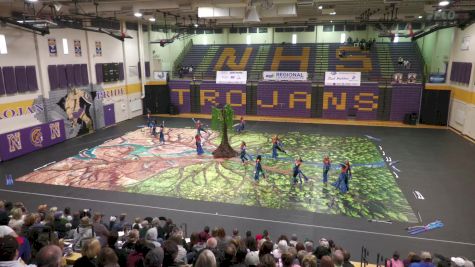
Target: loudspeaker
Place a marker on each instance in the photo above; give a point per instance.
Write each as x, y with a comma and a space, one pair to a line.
435, 107
157, 99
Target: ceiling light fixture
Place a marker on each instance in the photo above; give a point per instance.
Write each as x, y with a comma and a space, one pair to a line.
331, 21
196, 25
333, 13
32, 1
444, 3
152, 19
420, 17
320, 7
440, 10
138, 14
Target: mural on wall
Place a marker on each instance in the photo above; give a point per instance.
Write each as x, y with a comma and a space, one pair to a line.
75, 107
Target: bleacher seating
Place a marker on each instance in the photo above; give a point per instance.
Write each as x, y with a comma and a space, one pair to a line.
378, 63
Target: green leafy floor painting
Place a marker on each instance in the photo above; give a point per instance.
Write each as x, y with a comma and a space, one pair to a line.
374, 193
136, 162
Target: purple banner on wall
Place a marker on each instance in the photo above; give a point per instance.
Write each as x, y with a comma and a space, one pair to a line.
180, 95
212, 94
340, 102
405, 99
284, 99
24, 141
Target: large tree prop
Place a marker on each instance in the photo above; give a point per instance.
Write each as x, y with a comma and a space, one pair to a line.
221, 120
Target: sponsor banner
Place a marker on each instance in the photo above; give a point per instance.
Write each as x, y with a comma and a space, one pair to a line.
284, 76
231, 77
342, 78
24, 141
160, 76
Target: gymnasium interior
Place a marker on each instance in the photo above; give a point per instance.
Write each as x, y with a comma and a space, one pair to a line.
237, 133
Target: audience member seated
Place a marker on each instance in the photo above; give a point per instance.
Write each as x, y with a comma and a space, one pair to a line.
400, 61
49, 256
143, 247
89, 251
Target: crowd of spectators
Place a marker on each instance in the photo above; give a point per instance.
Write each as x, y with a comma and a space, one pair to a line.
49, 236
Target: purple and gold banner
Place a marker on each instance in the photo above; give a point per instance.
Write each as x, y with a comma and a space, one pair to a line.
405, 99
341, 101
284, 99
24, 141
180, 95
212, 94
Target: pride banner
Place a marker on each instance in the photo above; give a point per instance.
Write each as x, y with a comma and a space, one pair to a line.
24, 141
284, 99
180, 95
339, 102
212, 94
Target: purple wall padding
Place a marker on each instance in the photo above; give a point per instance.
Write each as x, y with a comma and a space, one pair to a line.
139, 69
99, 74
31, 78
405, 99
147, 68
70, 75
53, 77
180, 95
461, 72
84, 76
275, 99
27, 140
341, 101
20, 77
2, 86
77, 74
62, 77
121, 71
212, 94
9, 80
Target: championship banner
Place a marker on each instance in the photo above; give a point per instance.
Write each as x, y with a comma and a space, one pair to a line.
231, 77
284, 76
342, 78
24, 141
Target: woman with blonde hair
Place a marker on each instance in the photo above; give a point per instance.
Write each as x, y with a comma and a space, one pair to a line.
90, 250
17, 219
205, 259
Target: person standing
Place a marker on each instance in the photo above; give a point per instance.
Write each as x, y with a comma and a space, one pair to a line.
258, 170
326, 168
297, 172
244, 152
342, 182
199, 148
162, 137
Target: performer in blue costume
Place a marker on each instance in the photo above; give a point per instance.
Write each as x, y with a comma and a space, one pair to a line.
154, 128
240, 126
348, 174
244, 154
198, 126
199, 149
342, 182
297, 172
326, 168
162, 136
258, 170
276, 145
